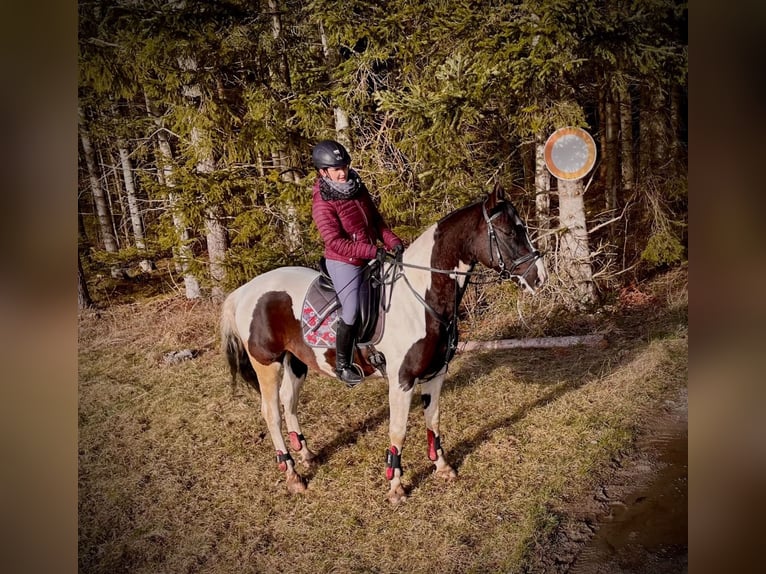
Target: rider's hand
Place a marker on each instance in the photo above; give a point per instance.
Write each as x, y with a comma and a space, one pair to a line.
380, 255
398, 251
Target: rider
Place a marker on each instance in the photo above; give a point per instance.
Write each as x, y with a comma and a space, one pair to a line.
350, 226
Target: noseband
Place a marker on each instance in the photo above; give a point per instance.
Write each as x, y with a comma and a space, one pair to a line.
494, 245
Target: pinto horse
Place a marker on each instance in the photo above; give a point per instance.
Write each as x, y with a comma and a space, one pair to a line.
262, 336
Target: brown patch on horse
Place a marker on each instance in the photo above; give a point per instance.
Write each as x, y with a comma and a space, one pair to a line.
274, 330
360, 358
426, 356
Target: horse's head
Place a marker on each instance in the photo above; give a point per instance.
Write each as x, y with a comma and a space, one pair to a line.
508, 249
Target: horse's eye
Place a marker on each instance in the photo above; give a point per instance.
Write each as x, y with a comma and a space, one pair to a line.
509, 230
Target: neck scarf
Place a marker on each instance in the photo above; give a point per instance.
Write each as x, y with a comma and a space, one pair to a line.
330, 190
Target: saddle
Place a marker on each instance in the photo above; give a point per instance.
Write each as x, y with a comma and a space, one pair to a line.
319, 315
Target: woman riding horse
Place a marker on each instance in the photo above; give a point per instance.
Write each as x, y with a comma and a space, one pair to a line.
350, 226
263, 338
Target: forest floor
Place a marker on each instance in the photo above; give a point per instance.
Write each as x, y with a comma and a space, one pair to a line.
569, 460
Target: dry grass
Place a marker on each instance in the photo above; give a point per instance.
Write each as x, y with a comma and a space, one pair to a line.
177, 474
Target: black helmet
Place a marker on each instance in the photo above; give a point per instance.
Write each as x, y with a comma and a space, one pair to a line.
329, 153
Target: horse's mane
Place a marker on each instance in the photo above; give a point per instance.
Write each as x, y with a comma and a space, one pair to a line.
460, 210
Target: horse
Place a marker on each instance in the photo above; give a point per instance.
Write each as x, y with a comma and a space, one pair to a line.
262, 337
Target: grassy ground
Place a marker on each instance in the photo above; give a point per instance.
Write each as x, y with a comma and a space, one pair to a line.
177, 473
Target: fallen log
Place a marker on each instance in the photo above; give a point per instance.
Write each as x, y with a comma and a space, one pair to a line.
533, 343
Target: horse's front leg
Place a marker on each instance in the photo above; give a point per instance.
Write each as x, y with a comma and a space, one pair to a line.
399, 406
292, 382
268, 378
430, 393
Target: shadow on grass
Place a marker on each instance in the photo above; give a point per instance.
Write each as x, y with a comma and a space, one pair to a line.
350, 435
564, 370
457, 454
561, 370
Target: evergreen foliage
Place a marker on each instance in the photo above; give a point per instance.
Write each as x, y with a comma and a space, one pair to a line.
441, 96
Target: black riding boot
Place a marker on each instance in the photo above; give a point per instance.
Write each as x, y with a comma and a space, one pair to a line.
344, 354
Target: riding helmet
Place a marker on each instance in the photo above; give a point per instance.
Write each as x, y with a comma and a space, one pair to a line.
329, 153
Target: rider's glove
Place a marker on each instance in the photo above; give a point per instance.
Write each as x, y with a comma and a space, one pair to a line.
398, 251
380, 255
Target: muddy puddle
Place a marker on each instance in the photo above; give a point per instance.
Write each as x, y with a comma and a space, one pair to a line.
644, 529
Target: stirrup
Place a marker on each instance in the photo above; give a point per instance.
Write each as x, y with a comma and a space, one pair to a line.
351, 374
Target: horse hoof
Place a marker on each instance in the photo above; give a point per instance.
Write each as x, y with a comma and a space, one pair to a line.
397, 496
295, 484
447, 473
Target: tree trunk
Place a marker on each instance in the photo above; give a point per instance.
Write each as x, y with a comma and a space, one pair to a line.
342, 132
130, 190
283, 71
534, 343
281, 156
83, 296
542, 195
661, 158
627, 151
675, 132
611, 154
602, 167
136, 223
652, 146
119, 217
99, 197
83, 243
184, 253
281, 163
217, 244
574, 253
215, 232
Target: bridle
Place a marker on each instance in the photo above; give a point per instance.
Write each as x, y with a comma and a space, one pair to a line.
494, 241
395, 271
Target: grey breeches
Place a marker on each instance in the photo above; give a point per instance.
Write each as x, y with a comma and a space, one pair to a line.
347, 280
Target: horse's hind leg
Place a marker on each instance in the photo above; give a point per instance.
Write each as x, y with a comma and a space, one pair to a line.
269, 378
429, 393
292, 382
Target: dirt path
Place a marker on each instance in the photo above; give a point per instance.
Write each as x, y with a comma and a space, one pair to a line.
637, 521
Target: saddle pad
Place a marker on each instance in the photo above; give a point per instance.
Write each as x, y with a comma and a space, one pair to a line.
319, 317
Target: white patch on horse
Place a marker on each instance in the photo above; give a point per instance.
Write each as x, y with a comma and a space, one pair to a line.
291, 280
406, 311
461, 273
324, 366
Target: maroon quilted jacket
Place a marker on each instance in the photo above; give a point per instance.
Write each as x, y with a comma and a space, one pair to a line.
350, 228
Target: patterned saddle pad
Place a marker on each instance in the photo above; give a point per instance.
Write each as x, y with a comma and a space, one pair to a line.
319, 317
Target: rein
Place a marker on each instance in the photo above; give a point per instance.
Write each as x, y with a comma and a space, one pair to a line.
396, 271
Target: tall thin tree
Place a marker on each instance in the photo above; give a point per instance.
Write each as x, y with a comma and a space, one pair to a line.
184, 253
99, 193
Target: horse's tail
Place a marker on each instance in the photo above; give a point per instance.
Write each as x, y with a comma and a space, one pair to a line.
234, 348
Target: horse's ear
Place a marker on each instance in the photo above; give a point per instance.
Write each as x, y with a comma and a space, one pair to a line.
497, 195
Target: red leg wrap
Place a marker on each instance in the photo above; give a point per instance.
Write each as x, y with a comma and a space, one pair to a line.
393, 461
295, 441
282, 459
434, 444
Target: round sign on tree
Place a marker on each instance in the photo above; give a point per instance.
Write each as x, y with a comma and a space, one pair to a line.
570, 153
